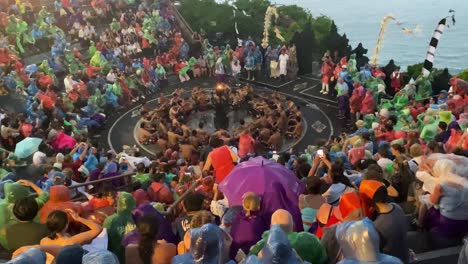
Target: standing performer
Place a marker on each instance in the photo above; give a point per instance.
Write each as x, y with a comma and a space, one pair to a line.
283, 64
327, 73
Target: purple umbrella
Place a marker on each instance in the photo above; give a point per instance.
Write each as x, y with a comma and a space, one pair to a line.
278, 186
259, 175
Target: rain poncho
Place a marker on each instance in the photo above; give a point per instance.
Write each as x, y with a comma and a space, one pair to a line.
92, 48
429, 130
59, 200
120, 224
367, 106
30, 256
307, 246
359, 242
100, 257
352, 68
250, 62
14, 192
165, 229
424, 88
277, 249
97, 60
184, 50
111, 98
246, 231
447, 168
206, 246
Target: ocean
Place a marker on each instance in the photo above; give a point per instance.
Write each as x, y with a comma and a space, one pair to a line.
360, 20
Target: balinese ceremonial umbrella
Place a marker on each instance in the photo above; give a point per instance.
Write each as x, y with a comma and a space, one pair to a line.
27, 147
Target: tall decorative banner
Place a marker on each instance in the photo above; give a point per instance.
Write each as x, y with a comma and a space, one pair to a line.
383, 28
429, 62
269, 14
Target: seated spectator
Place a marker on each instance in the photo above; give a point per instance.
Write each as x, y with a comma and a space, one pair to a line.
366, 250
57, 224
249, 225
59, 200
26, 232
340, 184
277, 249
120, 223
191, 204
200, 219
206, 246
307, 245
310, 203
350, 209
13, 192
390, 221
141, 176
158, 191
149, 249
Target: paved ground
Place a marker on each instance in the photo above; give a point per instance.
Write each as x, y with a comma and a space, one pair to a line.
318, 114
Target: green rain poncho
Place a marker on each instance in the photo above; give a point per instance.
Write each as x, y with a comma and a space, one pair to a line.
19, 29
97, 60
98, 100
369, 119
424, 88
189, 65
404, 120
120, 223
160, 71
45, 68
400, 101
115, 26
116, 89
352, 68
14, 192
67, 103
92, 48
445, 116
429, 130
211, 58
73, 64
149, 36
307, 246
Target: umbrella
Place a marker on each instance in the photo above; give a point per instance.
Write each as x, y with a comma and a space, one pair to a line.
27, 147
278, 186
259, 175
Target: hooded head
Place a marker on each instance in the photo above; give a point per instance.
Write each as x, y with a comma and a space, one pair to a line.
126, 203
30, 256
39, 158
59, 193
14, 192
278, 248
359, 240
206, 244
284, 219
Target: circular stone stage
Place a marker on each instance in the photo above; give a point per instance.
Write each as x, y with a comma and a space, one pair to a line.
318, 126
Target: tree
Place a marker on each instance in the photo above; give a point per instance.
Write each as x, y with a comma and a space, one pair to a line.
305, 44
360, 52
441, 80
463, 75
414, 70
388, 70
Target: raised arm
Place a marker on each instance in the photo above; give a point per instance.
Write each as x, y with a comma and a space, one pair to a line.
87, 236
